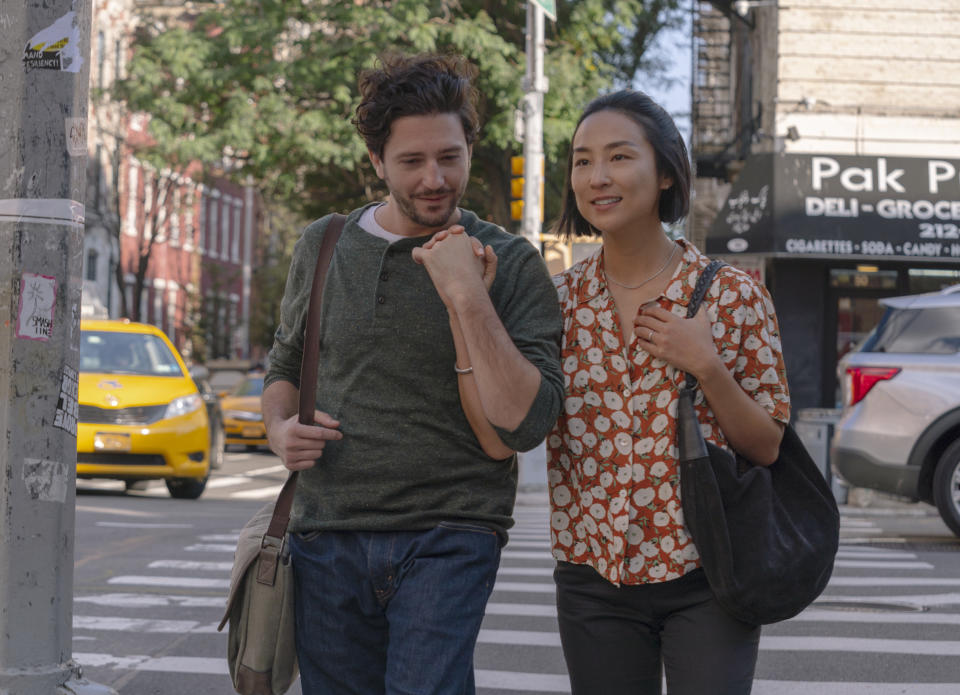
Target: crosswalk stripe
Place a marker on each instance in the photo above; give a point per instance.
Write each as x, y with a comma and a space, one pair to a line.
219, 537
523, 682
861, 645
882, 564
770, 687
920, 600
527, 554
140, 625
211, 548
121, 600
532, 610
168, 664
228, 481
844, 616
124, 524
523, 637
525, 587
526, 571
875, 554
191, 566
257, 493
183, 582
893, 581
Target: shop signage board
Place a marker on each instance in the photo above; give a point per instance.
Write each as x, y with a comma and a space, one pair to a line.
836, 205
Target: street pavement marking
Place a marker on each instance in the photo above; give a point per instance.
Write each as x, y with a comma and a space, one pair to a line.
862, 645
533, 610
139, 625
167, 664
525, 587
128, 524
228, 481
545, 544
257, 493
768, 687
527, 638
184, 582
875, 553
116, 512
121, 600
526, 554
526, 571
219, 537
211, 548
516, 681
267, 471
191, 566
921, 600
892, 581
882, 564
848, 616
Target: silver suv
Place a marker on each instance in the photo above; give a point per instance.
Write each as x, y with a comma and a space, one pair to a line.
900, 429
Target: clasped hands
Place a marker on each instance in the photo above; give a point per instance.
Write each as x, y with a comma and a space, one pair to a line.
456, 262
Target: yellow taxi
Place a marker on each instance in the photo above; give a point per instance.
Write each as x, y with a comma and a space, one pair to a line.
141, 416
242, 419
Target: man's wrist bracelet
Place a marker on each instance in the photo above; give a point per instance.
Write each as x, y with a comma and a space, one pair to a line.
465, 370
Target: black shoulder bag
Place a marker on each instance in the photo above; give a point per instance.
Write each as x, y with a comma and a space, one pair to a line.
767, 535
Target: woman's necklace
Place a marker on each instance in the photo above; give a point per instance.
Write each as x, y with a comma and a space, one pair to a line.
637, 287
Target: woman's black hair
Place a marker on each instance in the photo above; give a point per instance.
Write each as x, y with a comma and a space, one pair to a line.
671, 159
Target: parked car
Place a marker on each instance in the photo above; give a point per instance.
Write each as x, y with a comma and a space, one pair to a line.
141, 416
242, 419
900, 428
201, 377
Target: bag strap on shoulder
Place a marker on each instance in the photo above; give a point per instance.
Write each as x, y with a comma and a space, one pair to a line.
696, 299
308, 369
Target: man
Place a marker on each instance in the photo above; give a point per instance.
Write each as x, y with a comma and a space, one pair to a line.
439, 359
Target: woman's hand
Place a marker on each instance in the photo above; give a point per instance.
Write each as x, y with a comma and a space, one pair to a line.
687, 344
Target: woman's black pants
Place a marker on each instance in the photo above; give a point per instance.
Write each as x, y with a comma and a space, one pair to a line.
622, 640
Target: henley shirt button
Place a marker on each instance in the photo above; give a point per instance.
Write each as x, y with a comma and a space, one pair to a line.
381, 299
383, 276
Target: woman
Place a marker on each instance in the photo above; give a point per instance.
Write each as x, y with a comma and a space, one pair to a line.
632, 599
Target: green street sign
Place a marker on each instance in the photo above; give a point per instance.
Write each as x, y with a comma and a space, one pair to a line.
549, 8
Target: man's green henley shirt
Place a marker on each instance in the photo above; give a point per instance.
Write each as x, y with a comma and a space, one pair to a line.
408, 458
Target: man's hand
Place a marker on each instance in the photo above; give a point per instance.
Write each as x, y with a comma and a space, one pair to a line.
299, 446
454, 259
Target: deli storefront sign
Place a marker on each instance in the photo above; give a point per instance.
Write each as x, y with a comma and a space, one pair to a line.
828, 205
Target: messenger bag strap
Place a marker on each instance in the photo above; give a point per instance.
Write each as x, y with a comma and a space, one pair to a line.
308, 369
699, 292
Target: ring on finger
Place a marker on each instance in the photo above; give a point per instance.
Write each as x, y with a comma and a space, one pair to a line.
650, 337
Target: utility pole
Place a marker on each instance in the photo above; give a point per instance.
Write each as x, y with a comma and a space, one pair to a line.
44, 84
534, 86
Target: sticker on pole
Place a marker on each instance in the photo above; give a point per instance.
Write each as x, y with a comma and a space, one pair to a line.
38, 293
55, 48
45, 480
68, 408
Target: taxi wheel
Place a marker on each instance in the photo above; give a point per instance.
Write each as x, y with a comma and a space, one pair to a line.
217, 448
186, 488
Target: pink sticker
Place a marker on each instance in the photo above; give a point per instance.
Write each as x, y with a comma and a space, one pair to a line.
38, 294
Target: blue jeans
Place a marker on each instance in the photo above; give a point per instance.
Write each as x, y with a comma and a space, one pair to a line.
392, 613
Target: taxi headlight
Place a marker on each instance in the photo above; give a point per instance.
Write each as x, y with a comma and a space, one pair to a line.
247, 415
183, 405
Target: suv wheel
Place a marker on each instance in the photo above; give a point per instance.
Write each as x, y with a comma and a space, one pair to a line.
946, 487
186, 488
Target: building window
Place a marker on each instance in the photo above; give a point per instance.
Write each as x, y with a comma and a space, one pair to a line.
92, 265
101, 51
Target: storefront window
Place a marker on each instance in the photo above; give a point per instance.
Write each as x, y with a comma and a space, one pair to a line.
863, 278
932, 280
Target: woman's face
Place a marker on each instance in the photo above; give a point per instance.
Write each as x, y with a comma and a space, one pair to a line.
614, 175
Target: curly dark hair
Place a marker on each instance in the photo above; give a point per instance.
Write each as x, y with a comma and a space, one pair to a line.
416, 85
668, 146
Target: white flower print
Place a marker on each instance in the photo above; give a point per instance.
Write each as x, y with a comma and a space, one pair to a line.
745, 290
658, 470
648, 548
639, 472
750, 316
589, 439
764, 399
650, 380
553, 441
601, 423
561, 495
728, 297
674, 291
590, 524
665, 492
741, 363
579, 549
589, 466
643, 496
658, 571
594, 355
612, 400
572, 405
621, 419
750, 383
728, 356
576, 447
667, 544
576, 426
769, 376
560, 521
581, 378
597, 373
661, 519
663, 398
554, 476
586, 499
635, 534
564, 538
593, 286
605, 319
717, 329
639, 403
618, 363
597, 511
636, 564
643, 446
752, 343
624, 474
592, 398
623, 442
616, 505
605, 449
610, 340
584, 316
659, 423
765, 355
606, 480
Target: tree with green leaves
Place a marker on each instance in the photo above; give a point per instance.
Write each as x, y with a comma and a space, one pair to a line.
269, 85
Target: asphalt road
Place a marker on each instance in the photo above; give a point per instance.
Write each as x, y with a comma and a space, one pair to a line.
152, 574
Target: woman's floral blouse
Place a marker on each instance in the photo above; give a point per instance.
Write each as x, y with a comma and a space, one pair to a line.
612, 461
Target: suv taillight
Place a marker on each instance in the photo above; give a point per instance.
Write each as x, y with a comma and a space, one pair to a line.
861, 379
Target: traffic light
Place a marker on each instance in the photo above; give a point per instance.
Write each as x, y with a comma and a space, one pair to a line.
516, 187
